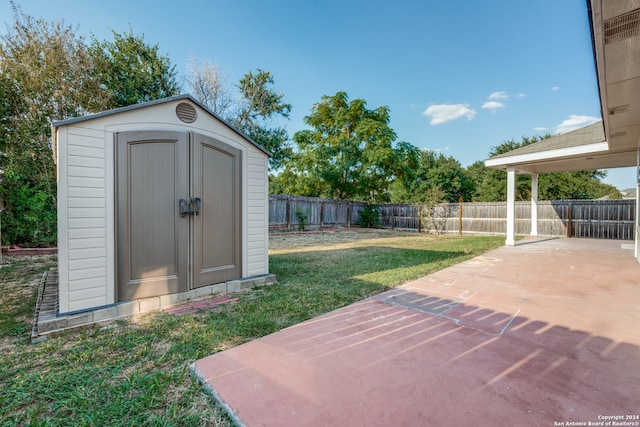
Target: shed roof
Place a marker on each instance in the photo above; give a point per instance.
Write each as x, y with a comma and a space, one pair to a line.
158, 102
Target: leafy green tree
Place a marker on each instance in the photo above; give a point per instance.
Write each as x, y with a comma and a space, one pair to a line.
576, 185
252, 111
258, 106
348, 153
133, 71
45, 75
48, 73
435, 171
491, 184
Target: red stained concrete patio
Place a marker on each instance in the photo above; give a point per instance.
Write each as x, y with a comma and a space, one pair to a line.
541, 333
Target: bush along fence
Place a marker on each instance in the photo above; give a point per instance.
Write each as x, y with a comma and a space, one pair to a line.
602, 219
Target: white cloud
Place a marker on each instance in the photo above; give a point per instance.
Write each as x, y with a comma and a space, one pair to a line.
540, 129
443, 113
492, 105
439, 149
520, 95
555, 88
498, 95
575, 122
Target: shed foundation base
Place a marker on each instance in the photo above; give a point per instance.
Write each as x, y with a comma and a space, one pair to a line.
48, 321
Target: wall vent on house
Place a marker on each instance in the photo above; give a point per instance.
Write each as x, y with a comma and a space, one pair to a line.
186, 112
622, 27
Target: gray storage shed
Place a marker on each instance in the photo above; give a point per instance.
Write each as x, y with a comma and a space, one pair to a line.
155, 199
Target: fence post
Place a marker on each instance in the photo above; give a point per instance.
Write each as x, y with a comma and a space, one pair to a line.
348, 214
321, 214
460, 219
569, 220
288, 211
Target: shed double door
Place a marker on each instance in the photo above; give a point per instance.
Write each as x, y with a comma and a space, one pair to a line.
178, 213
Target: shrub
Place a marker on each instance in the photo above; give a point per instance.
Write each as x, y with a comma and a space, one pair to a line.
370, 217
302, 217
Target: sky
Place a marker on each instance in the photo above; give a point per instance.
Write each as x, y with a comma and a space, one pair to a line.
459, 77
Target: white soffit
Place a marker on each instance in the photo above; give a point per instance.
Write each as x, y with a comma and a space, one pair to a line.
561, 153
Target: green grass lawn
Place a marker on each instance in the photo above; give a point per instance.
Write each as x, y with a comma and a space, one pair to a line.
136, 372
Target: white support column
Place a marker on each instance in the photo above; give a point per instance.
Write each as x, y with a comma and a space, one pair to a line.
511, 207
637, 230
534, 204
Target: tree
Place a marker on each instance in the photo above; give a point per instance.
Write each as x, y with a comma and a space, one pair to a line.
45, 75
435, 174
258, 105
251, 112
348, 153
133, 71
210, 86
576, 185
491, 184
48, 73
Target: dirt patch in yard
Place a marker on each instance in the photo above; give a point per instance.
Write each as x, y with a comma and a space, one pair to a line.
285, 241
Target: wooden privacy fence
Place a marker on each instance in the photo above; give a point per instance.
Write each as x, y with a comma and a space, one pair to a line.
603, 219
320, 212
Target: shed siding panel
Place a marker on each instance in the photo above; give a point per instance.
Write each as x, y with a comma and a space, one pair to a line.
86, 172
87, 253
86, 212
92, 293
76, 302
86, 273
92, 162
86, 243
93, 282
81, 264
87, 134
85, 192
253, 203
87, 223
257, 220
87, 202
255, 176
86, 233
256, 216
255, 251
257, 228
75, 181
84, 151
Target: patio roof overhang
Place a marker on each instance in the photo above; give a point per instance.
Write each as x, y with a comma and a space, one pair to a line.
611, 143
581, 149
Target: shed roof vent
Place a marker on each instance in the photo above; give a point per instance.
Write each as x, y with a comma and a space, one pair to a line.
622, 27
186, 112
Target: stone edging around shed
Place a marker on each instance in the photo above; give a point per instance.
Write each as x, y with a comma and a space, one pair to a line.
15, 250
48, 322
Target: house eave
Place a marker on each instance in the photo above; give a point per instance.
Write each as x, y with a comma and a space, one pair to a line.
560, 154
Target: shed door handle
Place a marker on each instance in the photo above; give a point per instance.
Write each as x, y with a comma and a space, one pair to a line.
198, 204
184, 209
